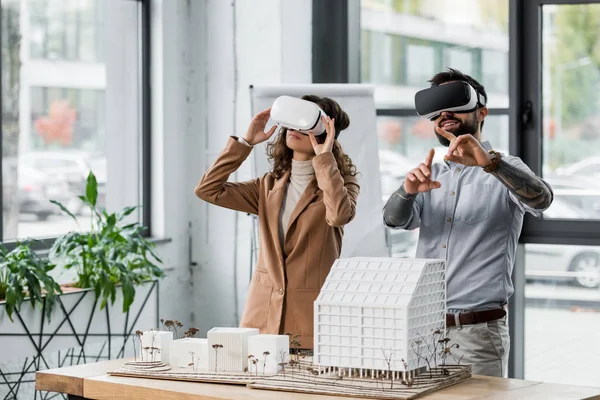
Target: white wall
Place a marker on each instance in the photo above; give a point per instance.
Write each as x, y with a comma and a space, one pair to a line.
205, 54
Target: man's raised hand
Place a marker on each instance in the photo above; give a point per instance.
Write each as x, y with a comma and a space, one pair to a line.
419, 178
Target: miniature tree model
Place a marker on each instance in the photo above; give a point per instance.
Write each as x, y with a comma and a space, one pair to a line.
265, 355
133, 344
254, 362
139, 334
217, 347
193, 364
152, 347
380, 378
436, 339
172, 326
295, 342
458, 361
293, 363
408, 379
314, 373
446, 350
155, 352
417, 351
388, 361
282, 362
191, 332
433, 349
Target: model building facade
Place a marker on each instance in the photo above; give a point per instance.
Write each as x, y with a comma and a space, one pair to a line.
190, 352
271, 351
373, 313
232, 356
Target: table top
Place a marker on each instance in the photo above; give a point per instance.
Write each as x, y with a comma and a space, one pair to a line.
91, 381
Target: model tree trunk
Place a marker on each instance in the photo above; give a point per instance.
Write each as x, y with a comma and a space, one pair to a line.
11, 68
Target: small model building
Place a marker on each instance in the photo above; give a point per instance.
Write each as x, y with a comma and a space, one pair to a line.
188, 351
376, 314
269, 351
232, 355
156, 346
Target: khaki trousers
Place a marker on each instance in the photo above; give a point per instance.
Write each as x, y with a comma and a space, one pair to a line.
485, 346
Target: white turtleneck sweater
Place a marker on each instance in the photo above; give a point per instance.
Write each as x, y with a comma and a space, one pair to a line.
302, 173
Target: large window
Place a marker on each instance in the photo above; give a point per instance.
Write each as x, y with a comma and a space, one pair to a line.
562, 299
562, 272
571, 101
405, 43
71, 104
562, 77
66, 30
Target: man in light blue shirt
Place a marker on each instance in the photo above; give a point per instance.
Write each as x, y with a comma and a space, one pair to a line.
469, 211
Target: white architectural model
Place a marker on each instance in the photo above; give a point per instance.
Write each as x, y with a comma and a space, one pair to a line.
372, 313
232, 356
269, 352
156, 346
188, 351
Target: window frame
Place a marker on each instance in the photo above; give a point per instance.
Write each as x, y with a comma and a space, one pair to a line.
529, 71
44, 243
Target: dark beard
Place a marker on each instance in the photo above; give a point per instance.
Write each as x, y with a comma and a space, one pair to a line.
464, 128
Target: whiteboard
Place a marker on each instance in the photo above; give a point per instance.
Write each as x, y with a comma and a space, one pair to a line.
366, 234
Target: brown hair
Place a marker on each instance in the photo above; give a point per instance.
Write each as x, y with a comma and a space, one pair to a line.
281, 155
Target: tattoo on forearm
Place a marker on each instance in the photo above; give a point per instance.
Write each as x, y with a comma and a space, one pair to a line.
528, 188
398, 209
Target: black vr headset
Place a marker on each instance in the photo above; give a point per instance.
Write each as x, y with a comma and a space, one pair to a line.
457, 97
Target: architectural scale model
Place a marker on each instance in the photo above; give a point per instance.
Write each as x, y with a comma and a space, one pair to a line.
267, 354
190, 352
379, 314
156, 346
379, 332
228, 348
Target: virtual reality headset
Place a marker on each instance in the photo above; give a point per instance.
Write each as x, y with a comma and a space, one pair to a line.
457, 97
299, 115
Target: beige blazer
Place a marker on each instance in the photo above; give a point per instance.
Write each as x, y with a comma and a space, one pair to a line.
283, 288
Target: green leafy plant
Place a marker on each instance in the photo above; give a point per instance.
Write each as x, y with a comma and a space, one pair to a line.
111, 253
24, 274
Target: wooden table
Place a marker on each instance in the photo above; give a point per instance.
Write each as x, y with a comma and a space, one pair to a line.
90, 381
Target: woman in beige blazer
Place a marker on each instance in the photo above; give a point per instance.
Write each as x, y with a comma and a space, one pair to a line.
302, 207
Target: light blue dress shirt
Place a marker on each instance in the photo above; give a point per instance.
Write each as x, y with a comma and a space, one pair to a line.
473, 222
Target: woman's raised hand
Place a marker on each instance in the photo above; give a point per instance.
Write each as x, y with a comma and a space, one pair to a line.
256, 131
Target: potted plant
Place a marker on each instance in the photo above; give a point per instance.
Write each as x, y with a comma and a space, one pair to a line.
110, 254
24, 275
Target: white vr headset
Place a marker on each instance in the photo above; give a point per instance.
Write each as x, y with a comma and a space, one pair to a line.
299, 115
457, 97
